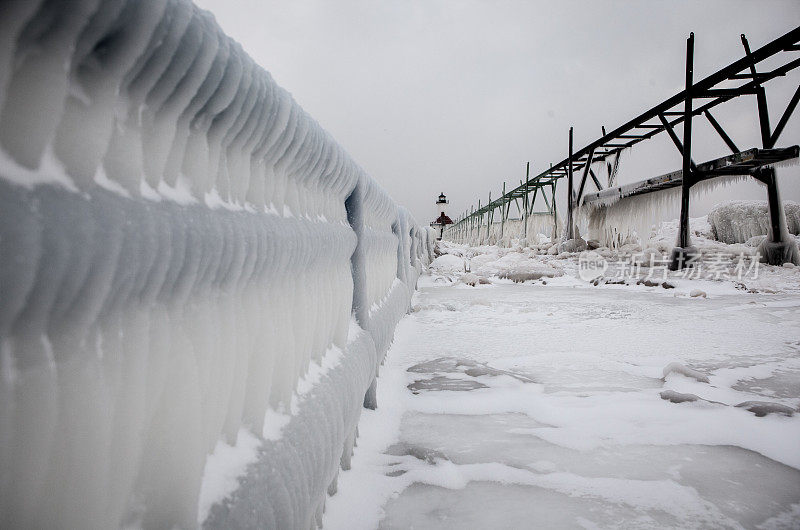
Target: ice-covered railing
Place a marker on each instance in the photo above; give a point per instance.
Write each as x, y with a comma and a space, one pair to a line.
507, 233
193, 274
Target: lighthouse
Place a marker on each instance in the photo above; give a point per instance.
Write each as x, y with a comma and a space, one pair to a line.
442, 219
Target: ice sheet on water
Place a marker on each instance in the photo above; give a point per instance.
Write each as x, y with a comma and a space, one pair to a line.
594, 416
441, 383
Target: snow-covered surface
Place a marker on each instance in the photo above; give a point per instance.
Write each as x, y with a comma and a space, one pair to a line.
223, 468
556, 403
182, 252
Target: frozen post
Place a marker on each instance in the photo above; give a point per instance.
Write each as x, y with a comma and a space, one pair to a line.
553, 209
779, 247
479, 223
570, 234
525, 206
489, 220
684, 252
502, 216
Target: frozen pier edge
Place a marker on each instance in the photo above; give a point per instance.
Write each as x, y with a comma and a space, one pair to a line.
189, 266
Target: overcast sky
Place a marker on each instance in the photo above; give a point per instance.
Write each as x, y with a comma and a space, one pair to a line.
431, 96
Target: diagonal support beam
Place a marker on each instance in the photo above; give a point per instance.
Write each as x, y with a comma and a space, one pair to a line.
533, 201
674, 137
546, 202
721, 132
596, 181
785, 118
612, 170
761, 98
586, 169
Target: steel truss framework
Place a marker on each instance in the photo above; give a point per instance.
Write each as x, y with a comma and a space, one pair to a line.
679, 109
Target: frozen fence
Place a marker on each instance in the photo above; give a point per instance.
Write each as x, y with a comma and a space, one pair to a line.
507, 232
190, 267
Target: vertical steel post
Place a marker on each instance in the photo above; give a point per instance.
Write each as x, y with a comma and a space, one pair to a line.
471, 233
682, 254
489, 220
553, 208
776, 249
479, 223
774, 203
570, 228
525, 205
502, 214
687, 144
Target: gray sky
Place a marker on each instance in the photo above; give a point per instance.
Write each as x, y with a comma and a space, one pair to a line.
431, 96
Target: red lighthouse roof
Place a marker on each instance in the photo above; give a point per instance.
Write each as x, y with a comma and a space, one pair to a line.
443, 220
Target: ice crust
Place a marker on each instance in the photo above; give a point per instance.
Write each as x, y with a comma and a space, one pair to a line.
180, 243
616, 221
740, 221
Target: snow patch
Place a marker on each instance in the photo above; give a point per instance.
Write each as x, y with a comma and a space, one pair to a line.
223, 468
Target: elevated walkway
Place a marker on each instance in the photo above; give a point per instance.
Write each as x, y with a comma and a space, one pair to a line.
742, 163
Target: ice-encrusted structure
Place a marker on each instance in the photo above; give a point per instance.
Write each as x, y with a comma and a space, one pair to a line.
186, 259
738, 221
616, 220
507, 233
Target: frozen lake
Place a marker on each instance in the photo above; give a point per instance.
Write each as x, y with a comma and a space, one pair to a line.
536, 406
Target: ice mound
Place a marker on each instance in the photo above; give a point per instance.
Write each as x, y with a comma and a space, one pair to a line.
740, 221
517, 266
429, 456
762, 408
442, 383
453, 365
473, 280
678, 368
573, 245
677, 397
532, 273
448, 263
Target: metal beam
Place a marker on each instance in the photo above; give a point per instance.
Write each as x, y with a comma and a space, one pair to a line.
785, 118
721, 132
596, 181
761, 98
683, 236
586, 168
570, 198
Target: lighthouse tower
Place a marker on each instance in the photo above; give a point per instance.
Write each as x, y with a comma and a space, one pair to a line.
442, 220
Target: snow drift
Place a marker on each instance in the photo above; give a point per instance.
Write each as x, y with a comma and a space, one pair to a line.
180, 246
